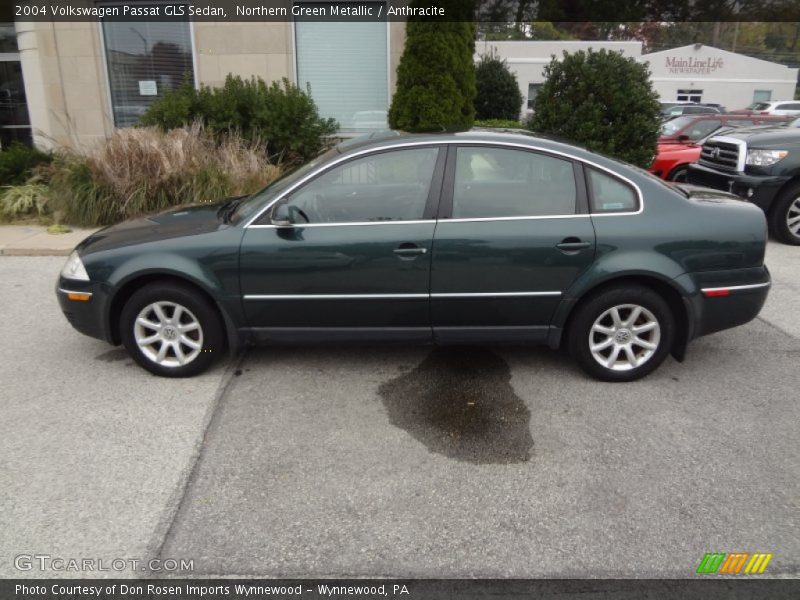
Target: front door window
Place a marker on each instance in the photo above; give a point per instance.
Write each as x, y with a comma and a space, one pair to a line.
390, 186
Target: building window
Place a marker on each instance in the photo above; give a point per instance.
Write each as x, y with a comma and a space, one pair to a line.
345, 63
690, 96
8, 38
762, 95
15, 125
145, 61
533, 91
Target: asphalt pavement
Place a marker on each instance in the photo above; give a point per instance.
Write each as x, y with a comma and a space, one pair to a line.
407, 462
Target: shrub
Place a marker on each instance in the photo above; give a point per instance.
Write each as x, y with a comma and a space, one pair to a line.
22, 201
436, 74
498, 95
281, 115
603, 101
141, 170
499, 123
18, 161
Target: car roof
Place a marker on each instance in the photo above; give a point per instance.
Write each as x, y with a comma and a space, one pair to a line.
523, 137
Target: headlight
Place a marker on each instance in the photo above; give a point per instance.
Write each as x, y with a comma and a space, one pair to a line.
764, 158
74, 269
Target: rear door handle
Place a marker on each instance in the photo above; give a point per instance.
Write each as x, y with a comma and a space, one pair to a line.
572, 244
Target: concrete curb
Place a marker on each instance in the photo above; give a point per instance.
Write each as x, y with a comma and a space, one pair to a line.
33, 240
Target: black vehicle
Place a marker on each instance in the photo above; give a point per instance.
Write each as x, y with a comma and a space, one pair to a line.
761, 165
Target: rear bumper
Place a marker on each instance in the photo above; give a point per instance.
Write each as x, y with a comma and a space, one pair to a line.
760, 190
86, 316
725, 299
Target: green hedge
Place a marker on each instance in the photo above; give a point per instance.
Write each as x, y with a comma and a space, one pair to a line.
18, 161
603, 101
280, 115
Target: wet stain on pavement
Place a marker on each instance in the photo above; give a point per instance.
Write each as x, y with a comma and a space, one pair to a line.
459, 403
113, 355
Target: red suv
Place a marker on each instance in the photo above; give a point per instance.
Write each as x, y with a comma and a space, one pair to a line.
679, 144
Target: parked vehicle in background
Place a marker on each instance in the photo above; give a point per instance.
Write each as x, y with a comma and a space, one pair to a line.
468, 238
690, 109
676, 152
666, 106
789, 108
697, 127
761, 166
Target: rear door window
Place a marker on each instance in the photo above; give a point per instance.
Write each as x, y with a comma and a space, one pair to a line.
503, 182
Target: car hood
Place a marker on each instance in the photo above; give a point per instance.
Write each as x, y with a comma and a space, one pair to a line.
173, 223
765, 137
675, 146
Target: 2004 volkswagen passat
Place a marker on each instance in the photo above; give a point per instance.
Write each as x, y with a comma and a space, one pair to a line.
477, 237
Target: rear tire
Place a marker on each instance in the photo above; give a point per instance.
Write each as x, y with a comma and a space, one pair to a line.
784, 216
622, 333
171, 330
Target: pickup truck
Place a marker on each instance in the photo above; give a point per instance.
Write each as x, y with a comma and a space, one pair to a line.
761, 166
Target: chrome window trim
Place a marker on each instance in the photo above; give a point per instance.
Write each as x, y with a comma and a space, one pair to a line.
63, 291
752, 286
303, 226
396, 296
380, 149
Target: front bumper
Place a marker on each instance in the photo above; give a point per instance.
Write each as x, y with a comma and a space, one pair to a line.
87, 316
758, 189
725, 299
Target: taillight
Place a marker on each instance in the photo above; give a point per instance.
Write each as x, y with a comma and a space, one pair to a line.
716, 292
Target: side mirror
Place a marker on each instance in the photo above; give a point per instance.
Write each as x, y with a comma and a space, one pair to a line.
280, 216
683, 138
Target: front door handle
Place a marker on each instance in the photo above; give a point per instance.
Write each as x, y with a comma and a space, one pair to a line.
572, 244
409, 250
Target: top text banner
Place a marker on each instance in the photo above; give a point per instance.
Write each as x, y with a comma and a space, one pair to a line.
398, 10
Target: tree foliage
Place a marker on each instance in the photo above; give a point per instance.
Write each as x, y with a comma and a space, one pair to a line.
603, 101
497, 91
436, 74
280, 115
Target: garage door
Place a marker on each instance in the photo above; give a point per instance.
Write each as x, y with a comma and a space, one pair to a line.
346, 65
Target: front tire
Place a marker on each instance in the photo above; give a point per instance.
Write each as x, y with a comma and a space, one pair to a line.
622, 333
784, 217
171, 330
678, 175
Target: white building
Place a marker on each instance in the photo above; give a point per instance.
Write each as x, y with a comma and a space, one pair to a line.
696, 72
527, 60
706, 74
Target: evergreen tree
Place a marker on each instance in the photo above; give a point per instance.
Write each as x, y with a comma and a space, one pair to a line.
498, 95
436, 74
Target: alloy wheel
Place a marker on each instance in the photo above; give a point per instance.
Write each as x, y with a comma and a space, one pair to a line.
793, 217
624, 337
168, 334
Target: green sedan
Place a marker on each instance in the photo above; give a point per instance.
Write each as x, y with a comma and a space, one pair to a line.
464, 238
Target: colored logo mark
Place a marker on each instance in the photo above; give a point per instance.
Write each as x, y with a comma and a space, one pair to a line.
734, 563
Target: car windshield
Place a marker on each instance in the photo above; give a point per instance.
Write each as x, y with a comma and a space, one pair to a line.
249, 206
675, 125
761, 106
